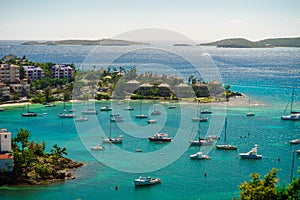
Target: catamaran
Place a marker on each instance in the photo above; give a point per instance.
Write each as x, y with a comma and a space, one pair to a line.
294, 115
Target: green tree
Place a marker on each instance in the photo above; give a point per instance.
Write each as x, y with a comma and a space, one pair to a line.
23, 138
58, 152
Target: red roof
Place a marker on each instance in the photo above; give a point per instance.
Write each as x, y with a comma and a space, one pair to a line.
6, 156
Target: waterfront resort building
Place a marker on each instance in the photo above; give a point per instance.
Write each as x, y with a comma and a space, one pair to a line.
6, 158
33, 72
9, 73
4, 91
62, 71
132, 85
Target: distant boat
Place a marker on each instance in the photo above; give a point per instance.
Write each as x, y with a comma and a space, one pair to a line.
49, 105
117, 119
81, 119
205, 112
141, 116
294, 115
28, 113
97, 148
226, 146
72, 110
144, 181
90, 111
151, 121
172, 107
106, 108
252, 154
249, 114
295, 141
111, 140
114, 114
64, 114
2, 109
160, 137
199, 156
128, 108
298, 151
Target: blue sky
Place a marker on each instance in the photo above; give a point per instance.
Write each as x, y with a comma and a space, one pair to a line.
198, 19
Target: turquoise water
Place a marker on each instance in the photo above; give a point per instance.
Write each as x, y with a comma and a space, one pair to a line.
266, 75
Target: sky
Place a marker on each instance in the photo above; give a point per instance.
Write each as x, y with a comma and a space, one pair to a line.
200, 20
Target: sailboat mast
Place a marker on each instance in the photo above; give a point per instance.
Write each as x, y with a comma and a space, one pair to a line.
141, 107
109, 127
292, 100
225, 131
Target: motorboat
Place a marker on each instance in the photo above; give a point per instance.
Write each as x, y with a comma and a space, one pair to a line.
252, 154
2, 109
172, 107
81, 119
66, 115
115, 114
155, 112
212, 137
106, 108
112, 140
160, 137
295, 141
297, 151
151, 121
144, 181
206, 112
201, 142
199, 156
97, 148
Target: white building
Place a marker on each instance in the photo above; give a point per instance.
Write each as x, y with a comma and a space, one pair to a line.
5, 140
33, 72
9, 73
62, 71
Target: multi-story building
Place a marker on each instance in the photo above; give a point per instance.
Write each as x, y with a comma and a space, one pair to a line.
62, 71
9, 73
4, 91
22, 89
33, 72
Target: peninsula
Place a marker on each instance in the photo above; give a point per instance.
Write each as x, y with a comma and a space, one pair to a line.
102, 42
266, 43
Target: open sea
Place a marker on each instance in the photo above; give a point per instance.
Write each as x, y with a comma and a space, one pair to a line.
265, 75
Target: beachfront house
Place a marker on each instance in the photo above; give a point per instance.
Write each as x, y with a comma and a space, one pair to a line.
145, 89
184, 91
201, 90
164, 90
6, 158
132, 85
22, 89
4, 91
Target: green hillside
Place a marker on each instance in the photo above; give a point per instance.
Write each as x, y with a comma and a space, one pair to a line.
236, 43
282, 42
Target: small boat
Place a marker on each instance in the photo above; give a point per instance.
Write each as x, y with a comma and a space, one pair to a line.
120, 102
106, 108
212, 137
155, 112
2, 109
128, 108
294, 115
81, 119
201, 141
295, 141
49, 105
226, 146
151, 121
172, 107
72, 110
29, 113
199, 156
117, 119
205, 112
252, 154
97, 148
66, 115
250, 114
297, 151
160, 137
114, 114
90, 111
143, 181
138, 150
200, 119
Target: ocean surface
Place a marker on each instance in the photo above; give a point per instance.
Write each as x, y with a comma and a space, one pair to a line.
266, 76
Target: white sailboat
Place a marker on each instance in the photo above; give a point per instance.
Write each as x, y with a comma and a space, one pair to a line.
64, 114
250, 113
226, 146
200, 141
294, 115
29, 113
141, 116
155, 111
111, 140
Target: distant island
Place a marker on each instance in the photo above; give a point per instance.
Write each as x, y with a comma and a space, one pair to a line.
102, 42
244, 43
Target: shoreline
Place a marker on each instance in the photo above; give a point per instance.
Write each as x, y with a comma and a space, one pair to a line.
237, 101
